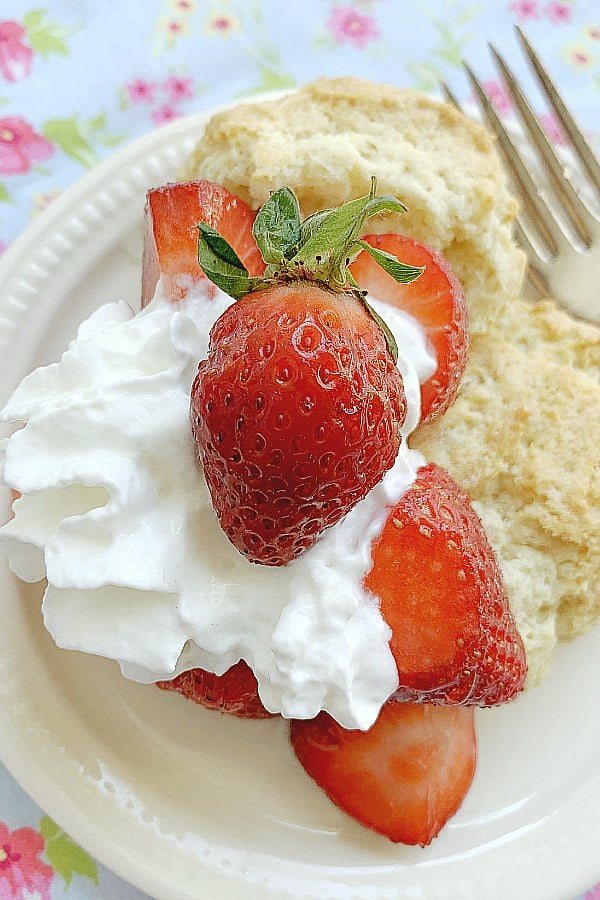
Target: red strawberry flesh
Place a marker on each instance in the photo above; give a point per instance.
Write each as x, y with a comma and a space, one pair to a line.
439, 585
235, 692
171, 234
404, 778
297, 414
436, 299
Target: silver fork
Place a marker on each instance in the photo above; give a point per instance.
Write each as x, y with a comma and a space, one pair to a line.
558, 229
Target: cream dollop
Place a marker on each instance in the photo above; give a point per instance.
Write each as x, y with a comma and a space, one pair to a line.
116, 514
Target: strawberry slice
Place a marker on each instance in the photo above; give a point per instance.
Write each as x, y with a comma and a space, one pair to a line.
440, 589
171, 235
235, 692
436, 300
404, 778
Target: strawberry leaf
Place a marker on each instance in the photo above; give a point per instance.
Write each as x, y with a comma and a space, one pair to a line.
276, 228
319, 249
400, 272
235, 286
335, 230
386, 203
310, 225
387, 332
219, 247
219, 262
328, 236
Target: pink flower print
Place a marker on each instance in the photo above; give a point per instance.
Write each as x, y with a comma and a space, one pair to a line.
140, 91
15, 55
593, 32
20, 146
3, 247
346, 24
174, 28
499, 97
179, 88
579, 57
525, 9
594, 894
41, 202
165, 113
221, 25
559, 12
552, 128
20, 868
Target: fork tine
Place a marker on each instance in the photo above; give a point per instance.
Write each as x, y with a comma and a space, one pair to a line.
449, 96
538, 210
536, 265
567, 121
525, 241
535, 271
578, 213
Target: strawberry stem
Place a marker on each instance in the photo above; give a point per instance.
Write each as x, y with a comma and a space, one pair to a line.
318, 249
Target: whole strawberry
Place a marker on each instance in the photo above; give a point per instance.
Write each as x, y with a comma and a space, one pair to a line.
297, 410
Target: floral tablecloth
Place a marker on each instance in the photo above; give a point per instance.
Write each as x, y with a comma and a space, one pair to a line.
79, 79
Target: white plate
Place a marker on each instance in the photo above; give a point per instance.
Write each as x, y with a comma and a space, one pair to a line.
185, 803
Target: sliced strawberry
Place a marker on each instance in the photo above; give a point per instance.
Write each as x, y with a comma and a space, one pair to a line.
235, 692
404, 777
440, 589
436, 300
171, 234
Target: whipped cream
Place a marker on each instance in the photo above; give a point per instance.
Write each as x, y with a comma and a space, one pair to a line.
116, 514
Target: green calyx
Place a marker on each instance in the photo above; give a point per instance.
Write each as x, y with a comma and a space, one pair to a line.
318, 249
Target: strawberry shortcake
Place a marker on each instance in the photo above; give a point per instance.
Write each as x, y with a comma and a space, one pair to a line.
313, 476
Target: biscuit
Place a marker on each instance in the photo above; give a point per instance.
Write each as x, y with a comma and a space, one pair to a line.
523, 435
327, 140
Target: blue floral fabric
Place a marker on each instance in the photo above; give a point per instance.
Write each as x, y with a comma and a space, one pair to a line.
79, 79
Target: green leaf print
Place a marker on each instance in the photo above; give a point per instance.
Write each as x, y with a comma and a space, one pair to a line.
64, 855
272, 80
45, 37
33, 20
267, 56
69, 135
449, 49
426, 77
98, 123
48, 828
4, 195
469, 13
79, 138
112, 140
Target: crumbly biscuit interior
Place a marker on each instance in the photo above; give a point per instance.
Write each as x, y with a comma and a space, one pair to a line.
523, 435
